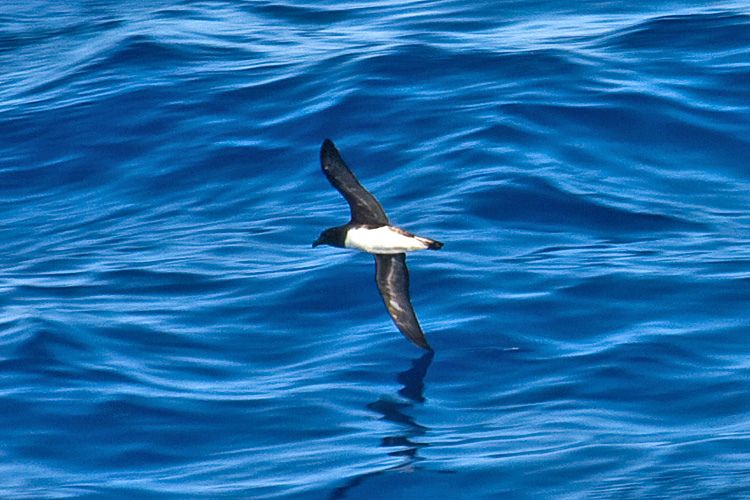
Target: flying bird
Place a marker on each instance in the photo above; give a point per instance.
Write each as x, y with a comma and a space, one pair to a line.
369, 230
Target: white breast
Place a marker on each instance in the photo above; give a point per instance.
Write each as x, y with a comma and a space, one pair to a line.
383, 240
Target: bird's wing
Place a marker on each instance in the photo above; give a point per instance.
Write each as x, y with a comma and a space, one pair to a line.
364, 207
392, 278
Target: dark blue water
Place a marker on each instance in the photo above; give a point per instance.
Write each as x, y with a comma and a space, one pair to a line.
166, 329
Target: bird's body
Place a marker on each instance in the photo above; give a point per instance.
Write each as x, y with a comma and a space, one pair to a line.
385, 240
369, 230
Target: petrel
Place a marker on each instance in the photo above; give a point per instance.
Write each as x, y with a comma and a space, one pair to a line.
369, 231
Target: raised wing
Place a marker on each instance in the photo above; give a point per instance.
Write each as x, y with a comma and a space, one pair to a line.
364, 207
392, 278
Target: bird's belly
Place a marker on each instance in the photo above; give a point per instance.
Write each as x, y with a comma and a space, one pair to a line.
382, 240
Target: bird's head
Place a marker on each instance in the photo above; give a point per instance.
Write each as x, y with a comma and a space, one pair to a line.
333, 236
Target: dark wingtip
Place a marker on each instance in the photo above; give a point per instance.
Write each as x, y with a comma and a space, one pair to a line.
435, 245
328, 153
328, 147
420, 341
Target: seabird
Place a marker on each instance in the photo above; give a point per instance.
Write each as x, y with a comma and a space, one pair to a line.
370, 231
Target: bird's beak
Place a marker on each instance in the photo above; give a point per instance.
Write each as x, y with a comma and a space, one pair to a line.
316, 243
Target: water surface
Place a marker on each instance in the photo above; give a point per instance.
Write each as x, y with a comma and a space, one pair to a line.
167, 331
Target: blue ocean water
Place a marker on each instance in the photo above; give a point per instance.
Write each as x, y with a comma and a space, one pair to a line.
167, 331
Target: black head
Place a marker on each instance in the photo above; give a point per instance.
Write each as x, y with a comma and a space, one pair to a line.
333, 236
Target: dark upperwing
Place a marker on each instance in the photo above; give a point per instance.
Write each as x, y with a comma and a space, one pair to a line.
392, 278
364, 207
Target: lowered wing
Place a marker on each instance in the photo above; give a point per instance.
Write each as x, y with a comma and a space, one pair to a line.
392, 278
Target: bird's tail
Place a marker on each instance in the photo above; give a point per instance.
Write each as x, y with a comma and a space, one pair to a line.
431, 244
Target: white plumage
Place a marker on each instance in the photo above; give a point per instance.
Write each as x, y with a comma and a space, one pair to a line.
383, 240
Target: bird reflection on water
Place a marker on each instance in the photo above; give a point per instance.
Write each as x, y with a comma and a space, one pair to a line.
405, 442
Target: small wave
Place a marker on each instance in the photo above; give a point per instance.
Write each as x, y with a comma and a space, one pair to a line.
535, 202
709, 33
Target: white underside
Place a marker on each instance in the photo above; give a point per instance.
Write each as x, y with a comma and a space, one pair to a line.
382, 240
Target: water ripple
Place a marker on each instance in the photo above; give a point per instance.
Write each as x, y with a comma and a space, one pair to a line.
166, 329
